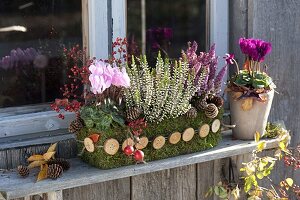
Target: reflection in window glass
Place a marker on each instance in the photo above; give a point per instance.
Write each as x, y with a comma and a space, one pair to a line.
168, 25
32, 36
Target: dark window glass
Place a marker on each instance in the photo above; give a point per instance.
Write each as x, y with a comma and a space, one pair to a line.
32, 36
168, 25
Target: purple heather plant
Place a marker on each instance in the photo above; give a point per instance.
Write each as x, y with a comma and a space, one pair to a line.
18, 57
205, 64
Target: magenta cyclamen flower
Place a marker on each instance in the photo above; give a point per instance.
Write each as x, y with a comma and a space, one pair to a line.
256, 49
229, 58
103, 76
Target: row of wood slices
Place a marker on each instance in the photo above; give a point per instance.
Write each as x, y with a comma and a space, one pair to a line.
111, 146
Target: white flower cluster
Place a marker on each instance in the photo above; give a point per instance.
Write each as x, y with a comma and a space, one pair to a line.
162, 93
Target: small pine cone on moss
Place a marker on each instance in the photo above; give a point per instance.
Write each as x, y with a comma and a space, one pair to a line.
201, 104
191, 113
23, 170
76, 125
60, 161
133, 114
218, 101
211, 111
54, 171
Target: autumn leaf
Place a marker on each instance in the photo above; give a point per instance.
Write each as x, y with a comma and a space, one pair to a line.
289, 181
48, 155
43, 173
52, 148
35, 158
36, 163
261, 146
247, 104
257, 136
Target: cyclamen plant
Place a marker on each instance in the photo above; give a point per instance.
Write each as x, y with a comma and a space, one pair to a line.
253, 79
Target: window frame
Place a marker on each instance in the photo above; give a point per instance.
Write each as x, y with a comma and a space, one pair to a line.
102, 22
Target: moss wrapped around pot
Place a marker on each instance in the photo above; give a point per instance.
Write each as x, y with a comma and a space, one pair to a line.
101, 159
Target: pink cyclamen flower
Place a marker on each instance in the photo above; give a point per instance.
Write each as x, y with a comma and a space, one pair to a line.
120, 77
229, 58
103, 75
100, 77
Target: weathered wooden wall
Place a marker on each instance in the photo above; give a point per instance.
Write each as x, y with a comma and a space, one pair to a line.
277, 21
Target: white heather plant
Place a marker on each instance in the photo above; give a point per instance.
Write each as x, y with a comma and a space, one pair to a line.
162, 93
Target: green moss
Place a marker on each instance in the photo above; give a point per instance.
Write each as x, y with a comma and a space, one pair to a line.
102, 160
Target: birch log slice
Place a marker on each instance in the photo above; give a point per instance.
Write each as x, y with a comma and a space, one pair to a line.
111, 146
188, 134
175, 138
204, 130
159, 142
142, 143
215, 125
128, 141
89, 144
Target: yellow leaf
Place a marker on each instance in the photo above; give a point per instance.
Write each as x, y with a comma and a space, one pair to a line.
257, 136
52, 148
48, 155
261, 146
36, 163
43, 173
247, 104
35, 158
289, 181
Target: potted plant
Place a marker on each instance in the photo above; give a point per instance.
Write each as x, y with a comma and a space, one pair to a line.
250, 90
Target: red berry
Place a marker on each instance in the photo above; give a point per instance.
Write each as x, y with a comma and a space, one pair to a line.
139, 155
128, 150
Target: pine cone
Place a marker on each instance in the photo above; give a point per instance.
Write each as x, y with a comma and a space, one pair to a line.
133, 114
76, 125
23, 170
60, 161
211, 111
201, 104
218, 101
191, 113
54, 171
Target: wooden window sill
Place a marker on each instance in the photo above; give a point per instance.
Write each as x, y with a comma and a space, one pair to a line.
80, 174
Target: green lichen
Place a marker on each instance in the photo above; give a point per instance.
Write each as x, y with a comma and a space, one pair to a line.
102, 160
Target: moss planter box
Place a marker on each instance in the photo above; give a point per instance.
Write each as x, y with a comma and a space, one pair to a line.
101, 159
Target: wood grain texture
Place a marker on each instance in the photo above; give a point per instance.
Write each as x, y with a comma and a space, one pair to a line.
111, 190
178, 183
278, 22
82, 174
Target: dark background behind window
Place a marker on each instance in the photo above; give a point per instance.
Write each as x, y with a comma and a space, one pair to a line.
170, 24
31, 65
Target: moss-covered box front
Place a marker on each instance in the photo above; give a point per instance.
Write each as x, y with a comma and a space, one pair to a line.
99, 158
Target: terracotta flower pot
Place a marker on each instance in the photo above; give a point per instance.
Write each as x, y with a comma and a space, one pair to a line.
249, 118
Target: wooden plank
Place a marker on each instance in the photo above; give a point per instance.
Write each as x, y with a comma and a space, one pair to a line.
178, 183
85, 25
111, 190
33, 123
36, 141
82, 174
205, 178
3, 160
55, 195
67, 149
278, 22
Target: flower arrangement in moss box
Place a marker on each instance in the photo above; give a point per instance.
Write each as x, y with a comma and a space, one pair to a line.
130, 112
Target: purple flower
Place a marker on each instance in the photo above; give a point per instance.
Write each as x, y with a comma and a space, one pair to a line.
229, 58
256, 49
